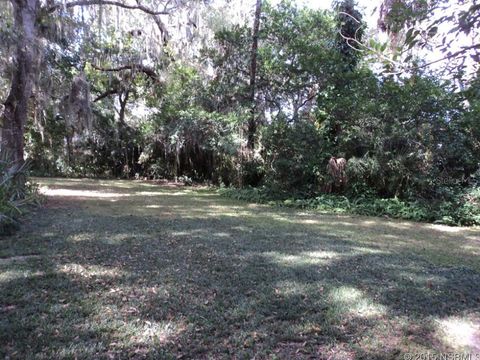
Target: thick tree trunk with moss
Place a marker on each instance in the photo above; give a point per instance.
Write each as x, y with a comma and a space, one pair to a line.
16, 105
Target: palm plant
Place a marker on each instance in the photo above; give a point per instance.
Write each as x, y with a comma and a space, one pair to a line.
15, 192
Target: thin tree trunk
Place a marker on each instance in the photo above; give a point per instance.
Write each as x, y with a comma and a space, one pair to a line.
68, 137
123, 105
16, 105
123, 99
252, 123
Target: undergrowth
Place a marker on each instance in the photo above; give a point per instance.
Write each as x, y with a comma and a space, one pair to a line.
463, 209
16, 193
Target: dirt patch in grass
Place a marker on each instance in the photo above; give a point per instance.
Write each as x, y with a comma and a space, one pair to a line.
139, 270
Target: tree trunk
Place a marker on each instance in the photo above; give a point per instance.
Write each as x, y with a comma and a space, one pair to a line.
123, 105
16, 105
252, 123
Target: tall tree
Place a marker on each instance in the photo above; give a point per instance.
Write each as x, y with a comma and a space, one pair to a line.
30, 17
14, 117
252, 123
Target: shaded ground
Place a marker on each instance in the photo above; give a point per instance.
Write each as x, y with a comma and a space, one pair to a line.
118, 269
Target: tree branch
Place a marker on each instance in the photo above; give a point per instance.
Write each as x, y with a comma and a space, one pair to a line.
105, 94
109, 2
362, 47
161, 26
163, 29
141, 68
462, 51
154, 13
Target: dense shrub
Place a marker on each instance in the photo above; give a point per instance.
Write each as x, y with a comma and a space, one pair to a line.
463, 210
292, 157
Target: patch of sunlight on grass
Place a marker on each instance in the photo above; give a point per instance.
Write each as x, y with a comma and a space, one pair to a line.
126, 184
346, 224
395, 224
289, 287
347, 300
188, 233
153, 332
234, 214
47, 234
367, 250
473, 238
321, 221
445, 228
90, 270
321, 254
282, 218
304, 258
242, 228
308, 221
119, 238
161, 193
460, 334
79, 237
369, 222
80, 193
473, 250
223, 207
221, 234
11, 275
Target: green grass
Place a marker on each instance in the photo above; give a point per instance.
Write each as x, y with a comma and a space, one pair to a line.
119, 269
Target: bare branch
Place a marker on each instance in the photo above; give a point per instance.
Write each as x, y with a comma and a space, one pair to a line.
140, 7
105, 94
353, 17
163, 29
363, 47
137, 67
161, 26
450, 56
154, 13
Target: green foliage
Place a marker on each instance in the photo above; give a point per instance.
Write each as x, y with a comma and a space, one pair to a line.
15, 193
292, 157
411, 142
464, 209
182, 138
402, 138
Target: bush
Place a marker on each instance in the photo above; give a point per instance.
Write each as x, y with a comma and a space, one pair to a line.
292, 158
465, 210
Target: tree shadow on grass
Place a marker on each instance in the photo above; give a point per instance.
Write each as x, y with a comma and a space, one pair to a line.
201, 280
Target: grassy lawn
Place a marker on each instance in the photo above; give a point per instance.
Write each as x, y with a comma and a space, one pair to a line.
121, 269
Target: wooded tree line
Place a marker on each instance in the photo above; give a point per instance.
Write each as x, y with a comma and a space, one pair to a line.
173, 89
